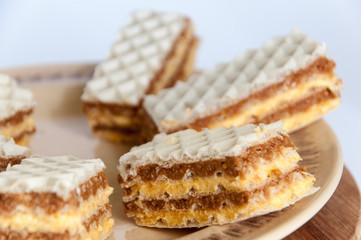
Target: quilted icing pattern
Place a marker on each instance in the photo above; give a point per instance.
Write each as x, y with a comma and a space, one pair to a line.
136, 55
59, 175
189, 146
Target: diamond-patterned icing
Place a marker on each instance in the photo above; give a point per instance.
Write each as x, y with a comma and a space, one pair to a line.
137, 54
190, 146
227, 83
59, 175
8, 148
13, 98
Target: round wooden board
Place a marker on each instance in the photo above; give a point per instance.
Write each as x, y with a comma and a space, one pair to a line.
338, 219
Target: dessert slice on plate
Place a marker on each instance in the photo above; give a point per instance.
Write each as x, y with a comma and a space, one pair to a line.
289, 78
10, 153
16, 111
217, 176
55, 198
152, 52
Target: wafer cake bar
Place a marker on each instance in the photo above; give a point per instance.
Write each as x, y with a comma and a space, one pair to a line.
152, 52
217, 176
16, 110
55, 198
289, 78
11, 153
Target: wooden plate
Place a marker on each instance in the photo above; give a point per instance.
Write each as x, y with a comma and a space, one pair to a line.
62, 130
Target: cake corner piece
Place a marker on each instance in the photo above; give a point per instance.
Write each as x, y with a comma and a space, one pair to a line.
60, 197
216, 176
153, 51
16, 111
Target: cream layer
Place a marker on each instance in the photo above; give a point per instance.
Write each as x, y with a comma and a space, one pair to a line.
260, 108
71, 221
97, 117
172, 65
299, 120
15, 130
102, 231
280, 196
284, 162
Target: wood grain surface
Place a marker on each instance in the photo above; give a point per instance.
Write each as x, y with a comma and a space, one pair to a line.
339, 218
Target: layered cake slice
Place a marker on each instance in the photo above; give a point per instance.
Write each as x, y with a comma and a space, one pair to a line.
218, 176
152, 52
10, 153
16, 110
289, 78
55, 198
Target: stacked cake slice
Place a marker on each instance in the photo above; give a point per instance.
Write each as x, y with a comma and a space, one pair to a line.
289, 78
152, 52
55, 198
10, 153
16, 109
194, 179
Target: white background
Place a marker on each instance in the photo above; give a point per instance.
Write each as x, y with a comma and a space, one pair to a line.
40, 31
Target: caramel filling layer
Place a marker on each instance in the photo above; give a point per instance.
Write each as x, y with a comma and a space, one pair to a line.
315, 112
205, 202
195, 203
99, 231
257, 177
100, 119
15, 235
19, 129
16, 118
287, 190
299, 106
50, 202
75, 220
230, 166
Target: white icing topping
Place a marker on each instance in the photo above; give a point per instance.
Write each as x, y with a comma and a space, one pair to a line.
134, 58
227, 83
8, 148
13, 98
191, 146
60, 175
